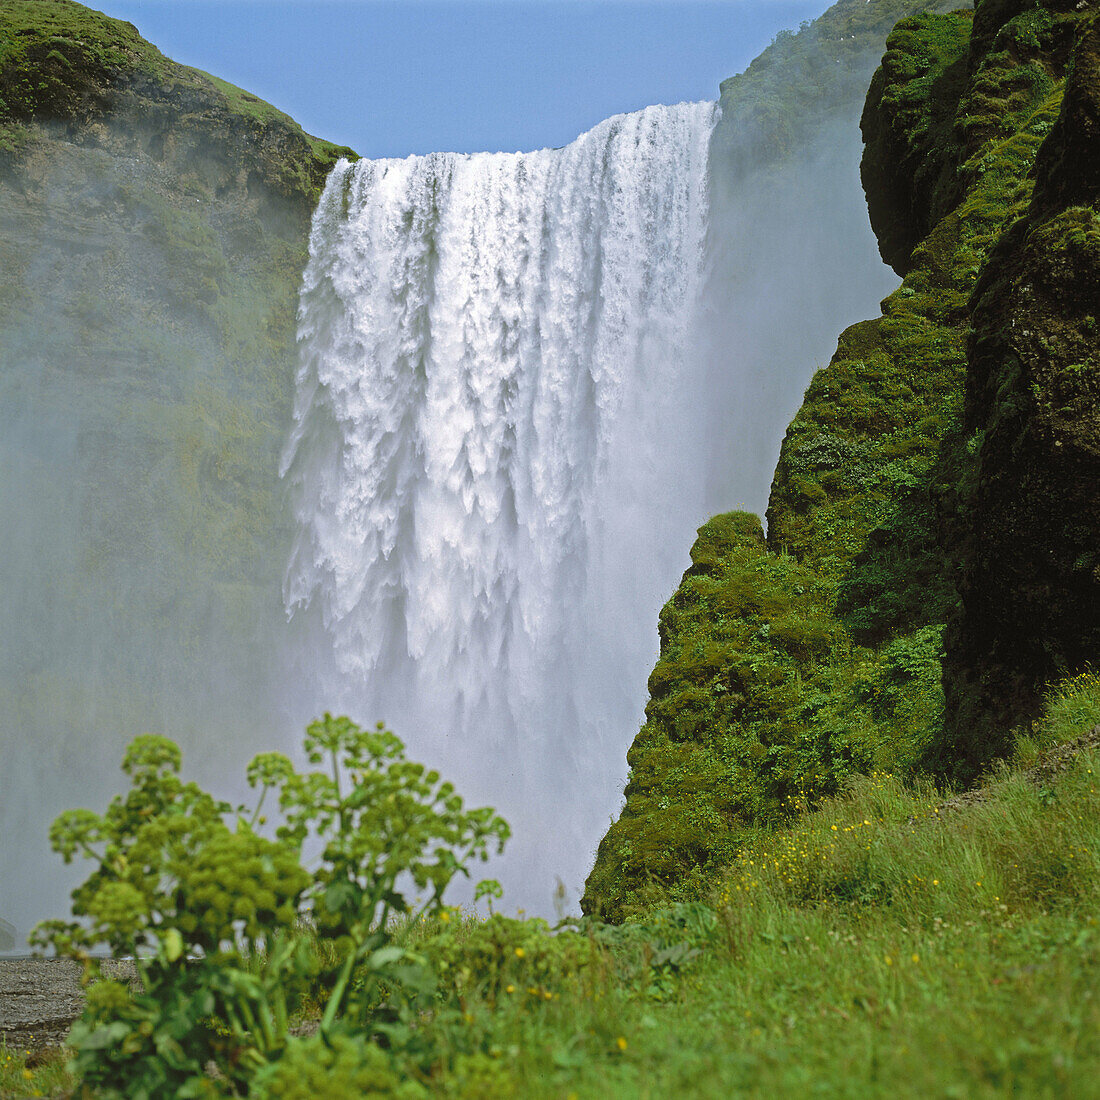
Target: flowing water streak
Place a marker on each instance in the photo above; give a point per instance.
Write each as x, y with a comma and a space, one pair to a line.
492, 453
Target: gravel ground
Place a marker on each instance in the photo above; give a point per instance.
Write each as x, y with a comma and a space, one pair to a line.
40, 998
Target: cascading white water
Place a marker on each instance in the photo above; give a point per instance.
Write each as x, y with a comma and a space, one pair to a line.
494, 458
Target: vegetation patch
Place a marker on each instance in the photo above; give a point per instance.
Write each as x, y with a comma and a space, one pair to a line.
890, 938
62, 63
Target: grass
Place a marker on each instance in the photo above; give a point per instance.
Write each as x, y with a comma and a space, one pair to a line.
23, 1073
60, 61
885, 944
896, 940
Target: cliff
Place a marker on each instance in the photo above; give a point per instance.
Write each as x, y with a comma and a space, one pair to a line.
153, 228
931, 486
1021, 527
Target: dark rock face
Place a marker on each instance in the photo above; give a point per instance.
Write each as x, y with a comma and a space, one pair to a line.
1025, 535
910, 162
1068, 169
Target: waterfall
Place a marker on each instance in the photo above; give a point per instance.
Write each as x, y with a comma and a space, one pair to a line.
494, 458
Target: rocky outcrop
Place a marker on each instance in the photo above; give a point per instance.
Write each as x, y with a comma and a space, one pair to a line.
1023, 529
759, 700
910, 161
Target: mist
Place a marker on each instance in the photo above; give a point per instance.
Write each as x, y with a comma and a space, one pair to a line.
161, 575
792, 262
143, 535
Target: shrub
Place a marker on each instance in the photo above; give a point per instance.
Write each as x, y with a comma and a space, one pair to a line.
215, 916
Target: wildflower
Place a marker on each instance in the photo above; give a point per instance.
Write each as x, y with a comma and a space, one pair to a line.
916, 957
620, 1042
510, 989
520, 952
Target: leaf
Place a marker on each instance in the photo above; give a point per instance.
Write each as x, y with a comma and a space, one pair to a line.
195, 1087
415, 976
173, 944
338, 895
488, 888
385, 956
676, 955
108, 1035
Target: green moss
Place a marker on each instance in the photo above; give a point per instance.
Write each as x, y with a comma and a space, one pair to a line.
1019, 525
63, 63
785, 668
759, 703
909, 167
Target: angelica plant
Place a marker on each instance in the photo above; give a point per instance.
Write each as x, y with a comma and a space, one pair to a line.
228, 927
383, 818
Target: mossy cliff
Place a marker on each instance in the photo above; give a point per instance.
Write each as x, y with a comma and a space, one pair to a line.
934, 483
1021, 524
154, 224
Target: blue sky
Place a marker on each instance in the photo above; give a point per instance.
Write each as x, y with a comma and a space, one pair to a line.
393, 77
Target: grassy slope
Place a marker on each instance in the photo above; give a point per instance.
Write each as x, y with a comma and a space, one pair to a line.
787, 666
891, 942
61, 61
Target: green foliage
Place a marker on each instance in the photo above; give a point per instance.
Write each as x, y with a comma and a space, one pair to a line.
761, 703
317, 1068
894, 938
1071, 707
213, 915
502, 957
